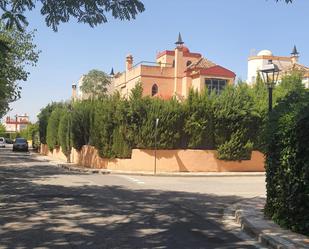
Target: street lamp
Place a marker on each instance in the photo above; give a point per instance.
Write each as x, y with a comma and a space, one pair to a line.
270, 74
155, 153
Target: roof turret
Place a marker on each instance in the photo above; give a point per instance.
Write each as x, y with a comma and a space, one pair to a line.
295, 52
179, 41
112, 72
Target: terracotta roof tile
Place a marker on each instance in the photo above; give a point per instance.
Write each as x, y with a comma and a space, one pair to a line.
297, 67
201, 63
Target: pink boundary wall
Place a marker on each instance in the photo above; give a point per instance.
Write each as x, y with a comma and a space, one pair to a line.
167, 161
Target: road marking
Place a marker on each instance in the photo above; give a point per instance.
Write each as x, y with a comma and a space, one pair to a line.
133, 180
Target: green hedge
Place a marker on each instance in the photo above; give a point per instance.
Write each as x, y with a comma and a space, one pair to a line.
64, 132
43, 118
204, 121
81, 117
31, 133
52, 137
232, 122
115, 125
287, 164
199, 121
236, 148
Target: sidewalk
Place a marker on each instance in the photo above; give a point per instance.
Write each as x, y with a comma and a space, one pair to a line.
249, 215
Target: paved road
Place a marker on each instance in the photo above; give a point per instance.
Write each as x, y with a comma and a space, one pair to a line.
43, 206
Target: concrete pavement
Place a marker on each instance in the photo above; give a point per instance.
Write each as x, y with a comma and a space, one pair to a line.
248, 213
43, 206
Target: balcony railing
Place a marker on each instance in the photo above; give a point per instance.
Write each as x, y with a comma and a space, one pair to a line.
152, 63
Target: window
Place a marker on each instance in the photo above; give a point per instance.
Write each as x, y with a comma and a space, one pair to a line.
216, 85
173, 64
20, 140
154, 90
189, 63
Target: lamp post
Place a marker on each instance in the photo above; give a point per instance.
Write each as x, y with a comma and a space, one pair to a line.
270, 74
155, 152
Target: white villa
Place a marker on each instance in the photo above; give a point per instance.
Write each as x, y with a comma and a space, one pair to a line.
286, 64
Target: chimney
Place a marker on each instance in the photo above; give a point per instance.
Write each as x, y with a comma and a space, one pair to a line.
129, 62
178, 69
74, 92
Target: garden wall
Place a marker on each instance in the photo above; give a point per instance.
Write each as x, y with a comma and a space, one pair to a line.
167, 161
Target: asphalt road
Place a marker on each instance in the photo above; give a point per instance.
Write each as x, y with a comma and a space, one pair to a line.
43, 206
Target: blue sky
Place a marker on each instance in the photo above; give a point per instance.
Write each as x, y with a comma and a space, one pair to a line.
224, 31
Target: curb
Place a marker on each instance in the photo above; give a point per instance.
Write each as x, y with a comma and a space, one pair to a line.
190, 174
73, 167
249, 216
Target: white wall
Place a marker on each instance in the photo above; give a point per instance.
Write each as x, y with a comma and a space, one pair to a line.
256, 64
253, 67
306, 82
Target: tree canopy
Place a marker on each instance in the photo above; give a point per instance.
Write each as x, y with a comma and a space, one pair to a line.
2, 130
17, 52
92, 12
95, 84
60, 11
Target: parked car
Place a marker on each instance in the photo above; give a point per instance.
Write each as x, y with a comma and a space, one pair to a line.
9, 141
20, 144
2, 142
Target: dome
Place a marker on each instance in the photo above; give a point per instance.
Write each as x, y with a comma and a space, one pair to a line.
265, 52
185, 49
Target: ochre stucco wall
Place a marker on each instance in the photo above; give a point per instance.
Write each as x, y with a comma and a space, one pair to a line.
167, 161
56, 153
165, 85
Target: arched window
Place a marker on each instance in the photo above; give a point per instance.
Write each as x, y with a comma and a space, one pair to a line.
189, 63
173, 64
154, 90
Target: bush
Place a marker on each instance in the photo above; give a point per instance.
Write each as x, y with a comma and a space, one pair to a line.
115, 125
32, 133
29, 132
64, 133
43, 118
2, 130
122, 137
287, 163
170, 125
52, 138
237, 148
199, 121
81, 122
103, 125
235, 119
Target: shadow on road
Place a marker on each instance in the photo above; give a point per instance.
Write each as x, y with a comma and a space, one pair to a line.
90, 216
